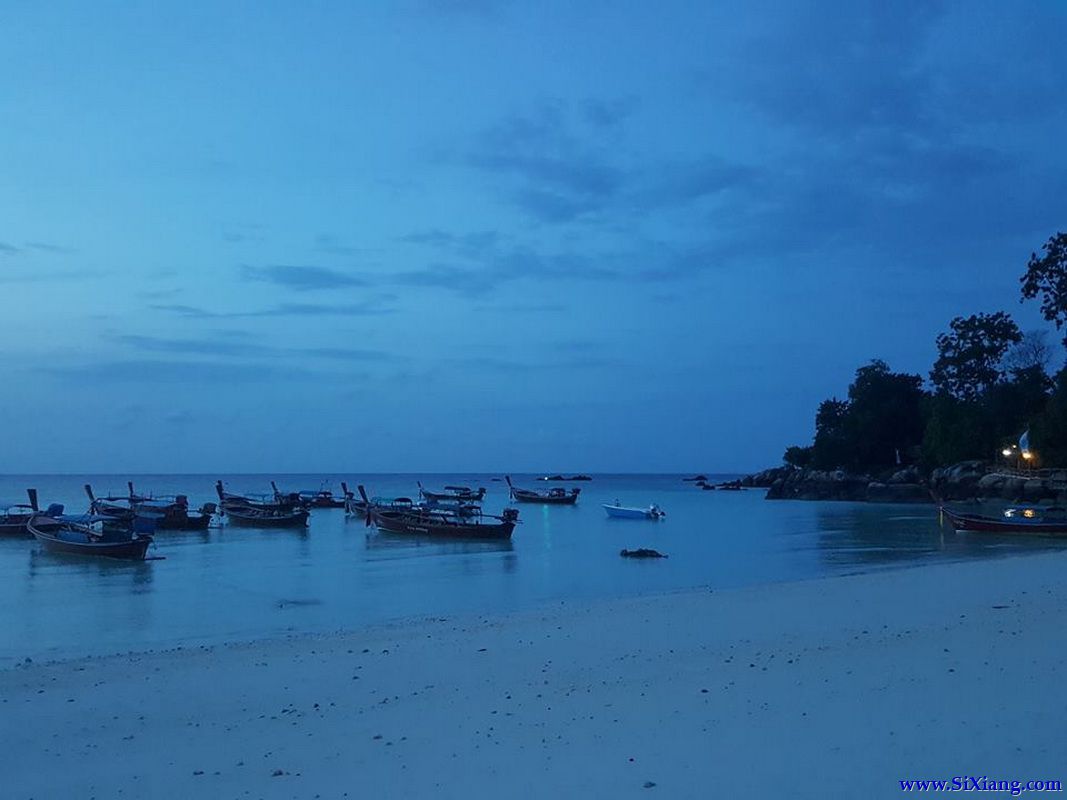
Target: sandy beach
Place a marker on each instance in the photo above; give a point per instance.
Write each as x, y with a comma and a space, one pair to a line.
836, 687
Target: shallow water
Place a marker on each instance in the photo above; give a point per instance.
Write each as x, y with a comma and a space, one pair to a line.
241, 583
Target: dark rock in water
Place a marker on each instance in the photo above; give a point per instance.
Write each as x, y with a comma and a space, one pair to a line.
696, 479
641, 552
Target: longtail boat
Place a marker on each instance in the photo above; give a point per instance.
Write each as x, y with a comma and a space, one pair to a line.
273, 502
1050, 521
123, 510
463, 493
248, 517
153, 512
420, 521
14, 516
320, 498
89, 538
556, 496
356, 506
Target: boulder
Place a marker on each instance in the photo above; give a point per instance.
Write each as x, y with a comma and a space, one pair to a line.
1035, 489
992, 484
909, 475
897, 493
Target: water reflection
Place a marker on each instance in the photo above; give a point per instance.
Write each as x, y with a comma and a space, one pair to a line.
426, 545
874, 535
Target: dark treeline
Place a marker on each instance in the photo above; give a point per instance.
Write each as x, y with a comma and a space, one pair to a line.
990, 382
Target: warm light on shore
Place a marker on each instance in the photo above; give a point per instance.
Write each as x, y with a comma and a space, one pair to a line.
1028, 455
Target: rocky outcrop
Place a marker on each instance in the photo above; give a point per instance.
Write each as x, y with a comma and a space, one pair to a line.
766, 479
814, 484
967, 480
958, 482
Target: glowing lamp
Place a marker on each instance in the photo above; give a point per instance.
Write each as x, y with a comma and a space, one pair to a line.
1006, 452
1027, 455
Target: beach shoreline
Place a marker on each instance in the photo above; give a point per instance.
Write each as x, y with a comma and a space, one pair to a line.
827, 686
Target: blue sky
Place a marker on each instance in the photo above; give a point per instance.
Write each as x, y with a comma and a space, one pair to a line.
468, 235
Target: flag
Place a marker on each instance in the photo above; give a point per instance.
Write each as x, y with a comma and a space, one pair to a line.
1024, 441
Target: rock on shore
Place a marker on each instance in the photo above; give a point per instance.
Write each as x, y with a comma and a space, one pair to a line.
968, 480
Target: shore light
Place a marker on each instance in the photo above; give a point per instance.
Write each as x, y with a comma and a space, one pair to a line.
1027, 455
1006, 452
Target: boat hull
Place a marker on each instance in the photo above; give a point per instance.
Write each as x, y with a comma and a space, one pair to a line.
298, 519
547, 500
190, 522
622, 512
16, 528
419, 525
976, 523
51, 537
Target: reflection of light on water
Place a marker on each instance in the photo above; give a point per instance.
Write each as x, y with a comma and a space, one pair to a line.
546, 528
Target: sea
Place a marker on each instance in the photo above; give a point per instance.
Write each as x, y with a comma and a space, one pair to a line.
241, 584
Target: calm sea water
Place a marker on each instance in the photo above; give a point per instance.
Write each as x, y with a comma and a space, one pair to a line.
240, 583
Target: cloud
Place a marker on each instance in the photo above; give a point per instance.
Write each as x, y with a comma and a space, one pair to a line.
47, 247
548, 168
241, 233
609, 113
303, 278
9, 249
520, 365
208, 347
328, 243
523, 308
470, 245
149, 371
44, 276
366, 308
236, 344
184, 310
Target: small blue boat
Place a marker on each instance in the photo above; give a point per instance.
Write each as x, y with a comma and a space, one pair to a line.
627, 512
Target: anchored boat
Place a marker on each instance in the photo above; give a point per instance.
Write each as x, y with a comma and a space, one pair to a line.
463, 493
557, 496
437, 523
627, 512
91, 537
13, 518
1050, 521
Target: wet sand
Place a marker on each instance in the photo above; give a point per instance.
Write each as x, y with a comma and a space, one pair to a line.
836, 687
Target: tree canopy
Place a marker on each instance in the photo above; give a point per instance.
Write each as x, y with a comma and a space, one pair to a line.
969, 357
990, 383
1046, 276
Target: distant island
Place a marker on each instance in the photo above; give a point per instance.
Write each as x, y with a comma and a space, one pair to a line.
991, 418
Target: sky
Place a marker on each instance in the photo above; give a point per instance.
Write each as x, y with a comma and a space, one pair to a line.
466, 235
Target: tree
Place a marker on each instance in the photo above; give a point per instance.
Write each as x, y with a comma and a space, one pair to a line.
830, 449
1029, 353
970, 355
798, 456
956, 430
1047, 276
1048, 432
885, 416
